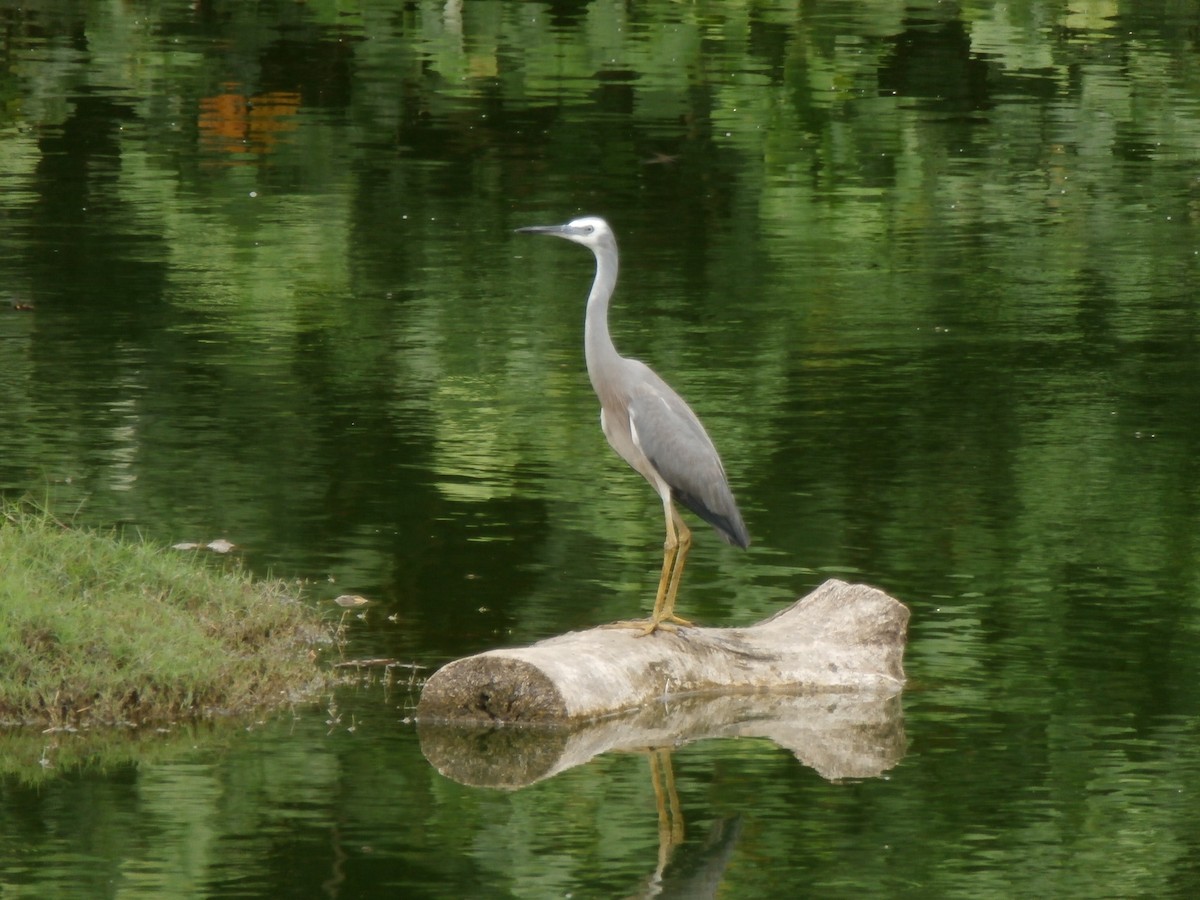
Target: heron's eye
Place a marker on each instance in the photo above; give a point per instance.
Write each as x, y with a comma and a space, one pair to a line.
591, 228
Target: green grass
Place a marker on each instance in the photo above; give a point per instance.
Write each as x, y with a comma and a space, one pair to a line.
99, 630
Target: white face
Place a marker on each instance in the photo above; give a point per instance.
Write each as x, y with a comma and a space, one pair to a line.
589, 231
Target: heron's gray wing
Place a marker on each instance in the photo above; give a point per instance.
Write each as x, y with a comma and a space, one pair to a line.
671, 436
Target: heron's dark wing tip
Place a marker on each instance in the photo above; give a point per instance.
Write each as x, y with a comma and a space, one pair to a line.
722, 514
737, 535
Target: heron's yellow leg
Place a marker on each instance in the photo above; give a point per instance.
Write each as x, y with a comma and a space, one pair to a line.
675, 549
652, 624
670, 552
667, 611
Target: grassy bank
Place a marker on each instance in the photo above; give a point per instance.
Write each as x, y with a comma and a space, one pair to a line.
98, 630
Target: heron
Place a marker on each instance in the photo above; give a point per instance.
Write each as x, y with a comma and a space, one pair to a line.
650, 427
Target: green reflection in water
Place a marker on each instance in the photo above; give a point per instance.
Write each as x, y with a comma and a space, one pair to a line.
924, 271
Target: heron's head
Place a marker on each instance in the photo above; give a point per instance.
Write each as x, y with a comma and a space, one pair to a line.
591, 231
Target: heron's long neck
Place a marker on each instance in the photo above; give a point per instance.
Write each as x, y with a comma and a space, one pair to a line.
598, 347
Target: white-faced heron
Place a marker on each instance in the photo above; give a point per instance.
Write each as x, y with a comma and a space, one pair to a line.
650, 426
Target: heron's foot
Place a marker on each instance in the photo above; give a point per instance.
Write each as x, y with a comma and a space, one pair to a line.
671, 619
645, 626
651, 625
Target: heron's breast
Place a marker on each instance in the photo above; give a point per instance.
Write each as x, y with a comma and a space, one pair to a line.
622, 437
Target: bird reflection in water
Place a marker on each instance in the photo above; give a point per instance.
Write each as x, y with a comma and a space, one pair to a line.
696, 872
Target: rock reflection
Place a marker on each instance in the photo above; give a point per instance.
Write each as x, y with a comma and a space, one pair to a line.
840, 736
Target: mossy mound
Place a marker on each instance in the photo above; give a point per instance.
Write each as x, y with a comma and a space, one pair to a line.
95, 629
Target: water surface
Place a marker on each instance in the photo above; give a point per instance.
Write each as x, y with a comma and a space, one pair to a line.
926, 273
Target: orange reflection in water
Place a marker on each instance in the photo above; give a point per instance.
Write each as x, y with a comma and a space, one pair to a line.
232, 123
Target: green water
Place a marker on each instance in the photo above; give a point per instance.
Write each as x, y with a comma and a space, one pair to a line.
926, 272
